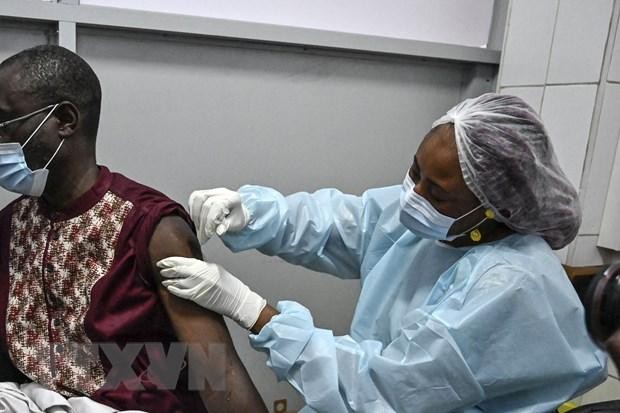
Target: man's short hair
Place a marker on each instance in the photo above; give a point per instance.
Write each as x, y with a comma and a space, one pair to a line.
51, 74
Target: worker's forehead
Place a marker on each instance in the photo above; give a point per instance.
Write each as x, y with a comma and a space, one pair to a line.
438, 148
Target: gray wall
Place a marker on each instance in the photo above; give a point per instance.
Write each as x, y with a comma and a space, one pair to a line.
184, 113
15, 36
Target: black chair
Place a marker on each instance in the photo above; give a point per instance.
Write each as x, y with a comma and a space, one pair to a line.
602, 306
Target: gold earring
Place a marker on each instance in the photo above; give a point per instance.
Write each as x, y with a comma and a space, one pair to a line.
476, 235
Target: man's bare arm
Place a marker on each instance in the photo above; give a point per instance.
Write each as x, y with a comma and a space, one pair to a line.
193, 324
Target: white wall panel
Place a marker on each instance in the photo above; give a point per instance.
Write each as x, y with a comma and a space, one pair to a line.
614, 69
579, 41
610, 226
528, 42
567, 114
595, 186
588, 253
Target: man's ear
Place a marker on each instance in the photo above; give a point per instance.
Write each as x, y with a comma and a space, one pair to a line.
69, 117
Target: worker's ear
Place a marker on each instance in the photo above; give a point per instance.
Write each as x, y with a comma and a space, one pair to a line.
68, 118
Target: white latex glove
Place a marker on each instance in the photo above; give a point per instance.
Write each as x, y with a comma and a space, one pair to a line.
212, 287
217, 211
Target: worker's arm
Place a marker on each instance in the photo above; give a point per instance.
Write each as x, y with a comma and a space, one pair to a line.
326, 231
195, 325
265, 317
475, 342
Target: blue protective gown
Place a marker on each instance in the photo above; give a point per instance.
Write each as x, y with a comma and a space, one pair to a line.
492, 328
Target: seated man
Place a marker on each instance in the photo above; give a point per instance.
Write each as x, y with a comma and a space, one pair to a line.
83, 309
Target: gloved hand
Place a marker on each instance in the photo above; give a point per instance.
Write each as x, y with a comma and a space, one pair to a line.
212, 287
218, 211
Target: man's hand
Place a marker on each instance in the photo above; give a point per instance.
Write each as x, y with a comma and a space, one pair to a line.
212, 287
217, 211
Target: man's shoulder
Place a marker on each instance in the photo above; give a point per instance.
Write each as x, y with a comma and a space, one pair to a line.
145, 200
136, 192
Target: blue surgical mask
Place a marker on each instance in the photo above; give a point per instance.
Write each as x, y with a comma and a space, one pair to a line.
15, 175
421, 218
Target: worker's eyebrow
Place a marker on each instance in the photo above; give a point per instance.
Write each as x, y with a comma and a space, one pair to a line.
441, 190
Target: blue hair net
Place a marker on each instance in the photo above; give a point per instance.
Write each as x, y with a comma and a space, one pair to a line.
508, 162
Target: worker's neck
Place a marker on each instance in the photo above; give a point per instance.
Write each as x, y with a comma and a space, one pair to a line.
65, 186
490, 231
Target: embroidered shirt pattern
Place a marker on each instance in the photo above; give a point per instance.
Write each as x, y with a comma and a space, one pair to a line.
53, 266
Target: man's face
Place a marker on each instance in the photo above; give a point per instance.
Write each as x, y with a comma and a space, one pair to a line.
15, 103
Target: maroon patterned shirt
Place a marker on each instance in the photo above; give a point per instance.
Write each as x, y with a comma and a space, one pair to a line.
71, 280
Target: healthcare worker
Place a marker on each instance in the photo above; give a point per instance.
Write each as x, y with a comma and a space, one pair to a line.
464, 306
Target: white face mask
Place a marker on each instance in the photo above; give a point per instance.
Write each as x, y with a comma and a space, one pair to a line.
15, 175
421, 218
